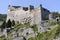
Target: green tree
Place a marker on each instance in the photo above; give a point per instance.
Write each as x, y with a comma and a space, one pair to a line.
56, 13
8, 24
13, 23
3, 25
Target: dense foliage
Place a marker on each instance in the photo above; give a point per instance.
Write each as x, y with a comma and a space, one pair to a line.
3, 17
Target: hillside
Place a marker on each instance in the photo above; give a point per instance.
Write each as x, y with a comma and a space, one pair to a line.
24, 30
3, 17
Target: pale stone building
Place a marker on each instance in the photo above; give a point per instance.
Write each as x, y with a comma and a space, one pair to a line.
27, 14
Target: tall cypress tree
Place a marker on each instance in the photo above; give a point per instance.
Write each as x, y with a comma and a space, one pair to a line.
8, 24
13, 23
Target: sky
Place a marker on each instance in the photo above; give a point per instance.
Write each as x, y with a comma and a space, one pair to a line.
52, 5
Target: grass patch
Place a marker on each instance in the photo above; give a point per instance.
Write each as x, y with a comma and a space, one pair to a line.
51, 23
35, 28
16, 27
20, 26
31, 38
47, 35
3, 38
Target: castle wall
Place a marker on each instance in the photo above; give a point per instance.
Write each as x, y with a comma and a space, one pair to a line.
34, 16
37, 15
20, 15
44, 13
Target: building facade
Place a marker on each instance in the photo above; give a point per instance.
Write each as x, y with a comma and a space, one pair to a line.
27, 14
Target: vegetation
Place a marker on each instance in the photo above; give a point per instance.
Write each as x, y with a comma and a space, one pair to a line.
3, 17
24, 38
35, 28
13, 23
57, 14
3, 38
47, 17
43, 36
30, 38
8, 24
39, 37
18, 26
51, 23
47, 35
3, 25
57, 34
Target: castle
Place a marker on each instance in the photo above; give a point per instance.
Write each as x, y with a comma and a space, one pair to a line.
27, 14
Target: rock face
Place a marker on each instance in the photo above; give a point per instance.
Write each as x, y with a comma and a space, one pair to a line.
27, 14
23, 32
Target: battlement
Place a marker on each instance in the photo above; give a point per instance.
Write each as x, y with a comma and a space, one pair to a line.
20, 7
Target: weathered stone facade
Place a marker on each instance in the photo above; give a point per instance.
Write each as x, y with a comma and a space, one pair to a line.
27, 14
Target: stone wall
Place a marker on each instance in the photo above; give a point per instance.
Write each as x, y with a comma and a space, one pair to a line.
25, 14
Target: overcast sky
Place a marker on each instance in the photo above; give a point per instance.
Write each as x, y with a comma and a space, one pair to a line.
52, 5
